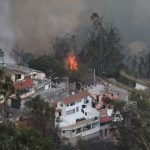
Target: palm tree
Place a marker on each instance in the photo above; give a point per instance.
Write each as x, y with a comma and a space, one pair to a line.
6, 87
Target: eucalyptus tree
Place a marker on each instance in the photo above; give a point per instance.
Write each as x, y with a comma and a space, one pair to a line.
2, 55
134, 129
103, 47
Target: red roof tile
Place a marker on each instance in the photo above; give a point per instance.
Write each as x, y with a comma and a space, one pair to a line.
76, 97
23, 84
105, 119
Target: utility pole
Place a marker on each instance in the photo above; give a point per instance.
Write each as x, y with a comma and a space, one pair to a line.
101, 51
19, 53
94, 78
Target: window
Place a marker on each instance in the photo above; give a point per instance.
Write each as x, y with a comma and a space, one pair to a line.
83, 106
78, 130
85, 113
102, 124
77, 109
94, 125
82, 111
104, 106
97, 98
61, 105
96, 118
87, 127
70, 112
59, 114
72, 104
63, 131
105, 132
67, 105
18, 76
86, 101
73, 131
101, 133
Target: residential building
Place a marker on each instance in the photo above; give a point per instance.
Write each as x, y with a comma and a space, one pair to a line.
76, 118
139, 86
107, 130
50, 91
107, 90
25, 90
107, 115
19, 73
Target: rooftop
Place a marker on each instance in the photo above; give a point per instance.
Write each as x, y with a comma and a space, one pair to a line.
76, 97
84, 113
22, 69
24, 84
105, 119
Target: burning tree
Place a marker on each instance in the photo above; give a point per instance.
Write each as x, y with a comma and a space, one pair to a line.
71, 62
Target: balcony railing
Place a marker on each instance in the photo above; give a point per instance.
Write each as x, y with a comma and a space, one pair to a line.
58, 119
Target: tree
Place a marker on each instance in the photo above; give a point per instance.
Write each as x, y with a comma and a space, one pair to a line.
33, 139
2, 55
148, 65
6, 86
8, 131
96, 145
49, 65
12, 138
63, 46
42, 115
134, 129
103, 47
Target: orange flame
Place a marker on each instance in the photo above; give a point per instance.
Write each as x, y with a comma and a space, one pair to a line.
72, 63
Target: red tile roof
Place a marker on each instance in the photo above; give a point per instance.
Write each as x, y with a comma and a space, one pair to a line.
76, 97
23, 84
105, 119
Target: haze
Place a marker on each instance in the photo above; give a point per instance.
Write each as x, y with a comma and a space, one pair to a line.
33, 23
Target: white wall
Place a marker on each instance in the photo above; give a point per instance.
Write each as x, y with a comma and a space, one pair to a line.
79, 105
38, 75
140, 87
89, 112
13, 77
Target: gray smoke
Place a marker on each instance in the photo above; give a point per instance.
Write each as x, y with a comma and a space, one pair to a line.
34, 23
7, 38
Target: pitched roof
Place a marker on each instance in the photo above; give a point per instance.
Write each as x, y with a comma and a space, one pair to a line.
24, 84
76, 97
105, 119
88, 79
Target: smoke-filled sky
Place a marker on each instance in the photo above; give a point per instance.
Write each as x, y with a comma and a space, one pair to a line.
33, 23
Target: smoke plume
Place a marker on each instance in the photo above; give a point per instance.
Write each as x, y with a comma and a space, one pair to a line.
34, 23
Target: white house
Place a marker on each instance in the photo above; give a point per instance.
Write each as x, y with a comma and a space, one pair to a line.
76, 118
139, 86
19, 73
